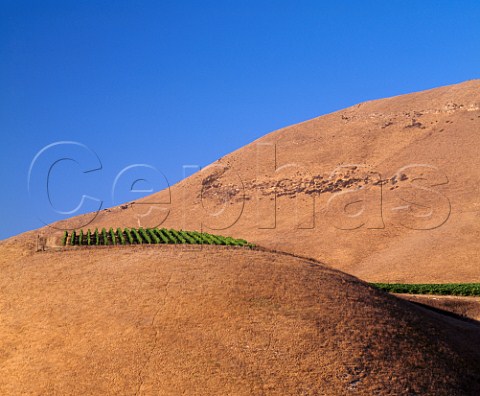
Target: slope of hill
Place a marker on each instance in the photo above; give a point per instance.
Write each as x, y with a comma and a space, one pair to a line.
386, 190
466, 307
215, 321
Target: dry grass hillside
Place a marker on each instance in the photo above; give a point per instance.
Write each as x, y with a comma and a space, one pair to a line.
466, 307
386, 190
217, 321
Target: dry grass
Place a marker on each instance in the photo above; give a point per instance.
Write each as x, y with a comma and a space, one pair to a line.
467, 307
380, 136
214, 322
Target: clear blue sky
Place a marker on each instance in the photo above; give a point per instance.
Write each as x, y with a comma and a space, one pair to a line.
169, 83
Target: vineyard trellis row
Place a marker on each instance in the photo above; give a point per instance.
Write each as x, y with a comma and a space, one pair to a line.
447, 289
149, 236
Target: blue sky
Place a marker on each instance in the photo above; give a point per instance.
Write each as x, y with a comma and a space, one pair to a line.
173, 83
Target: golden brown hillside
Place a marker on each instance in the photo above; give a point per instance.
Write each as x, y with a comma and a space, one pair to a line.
387, 190
217, 321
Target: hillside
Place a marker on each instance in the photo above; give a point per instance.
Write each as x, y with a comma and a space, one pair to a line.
216, 321
386, 190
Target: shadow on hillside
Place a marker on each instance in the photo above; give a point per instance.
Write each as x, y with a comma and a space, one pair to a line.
446, 313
